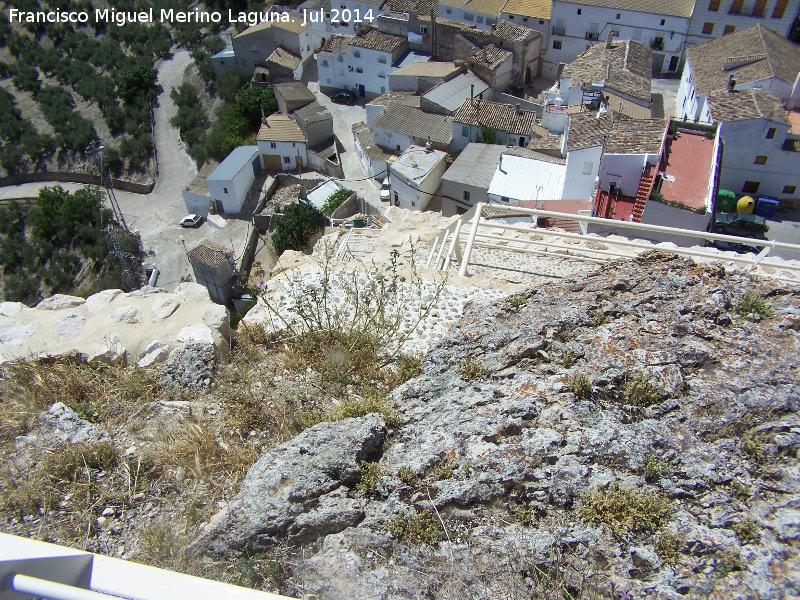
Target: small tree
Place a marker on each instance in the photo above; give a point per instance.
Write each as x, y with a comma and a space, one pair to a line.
294, 229
335, 200
488, 135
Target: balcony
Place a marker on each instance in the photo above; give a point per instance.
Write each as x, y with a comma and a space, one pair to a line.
592, 36
657, 44
559, 30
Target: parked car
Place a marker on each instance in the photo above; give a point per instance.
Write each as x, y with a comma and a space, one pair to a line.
344, 97
386, 190
734, 247
191, 221
740, 224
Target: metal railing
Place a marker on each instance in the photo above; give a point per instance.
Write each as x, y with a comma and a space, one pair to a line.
471, 222
559, 30
38, 569
592, 35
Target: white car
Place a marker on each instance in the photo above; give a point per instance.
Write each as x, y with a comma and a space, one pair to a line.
386, 191
191, 221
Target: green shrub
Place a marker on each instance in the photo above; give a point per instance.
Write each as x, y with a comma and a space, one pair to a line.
470, 369
580, 385
335, 200
420, 528
369, 475
639, 391
654, 468
294, 228
569, 358
631, 511
668, 546
753, 303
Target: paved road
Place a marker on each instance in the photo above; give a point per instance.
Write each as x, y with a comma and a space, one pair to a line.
156, 215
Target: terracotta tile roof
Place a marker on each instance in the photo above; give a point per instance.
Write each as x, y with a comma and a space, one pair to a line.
313, 113
538, 9
527, 153
294, 25
412, 121
490, 57
419, 7
385, 99
279, 128
625, 67
746, 104
337, 44
284, 58
503, 117
377, 40
586, 130
511, 32
487, 7
208, 254
548, 142
675, 8
629, 136
763, 54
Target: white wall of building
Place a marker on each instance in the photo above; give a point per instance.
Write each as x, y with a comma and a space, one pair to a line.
393, 141
416, 194
631, 25
358, 10
232, 192
197, 204
744, 141
464, 134
623, 169
722, 18
342, 71
285, 150
481, 21
583, 167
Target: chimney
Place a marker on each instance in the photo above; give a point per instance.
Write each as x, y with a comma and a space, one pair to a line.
519, 108
428, 146
263, 118
610, 39
483, 54
732, 83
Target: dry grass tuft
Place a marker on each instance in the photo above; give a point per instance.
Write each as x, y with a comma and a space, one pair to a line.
630, 511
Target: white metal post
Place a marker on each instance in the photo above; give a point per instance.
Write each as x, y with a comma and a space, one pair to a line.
431, 252
41, 588
471, 241
452, 246
441, 249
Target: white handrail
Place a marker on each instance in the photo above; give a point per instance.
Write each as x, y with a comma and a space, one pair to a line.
41, 588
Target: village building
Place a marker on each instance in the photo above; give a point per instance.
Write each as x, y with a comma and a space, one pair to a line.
467, 180
226, 186
212, 266
400, 126
255, 44
422, 76
415, 177
492, 122
281, 144
715, 18
447, 97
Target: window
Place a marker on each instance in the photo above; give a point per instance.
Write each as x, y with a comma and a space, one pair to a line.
587, 167
224, 190
504, 199
287, 159
736, 7
789, 189
708, 28
357, 53
469, 16
663, 22
729, 29
713, 5
273, 145
780, 7
556, 44
222, 62
771, 133
524, 19
760, 160
413, 203
396, 197
325, 62
449, 11
340, 58
491, 21
466, 195
479, 19
758, 9
579, 11
328, 79
398, 149
381, 74
750, 187
383, 89
359, 70
464, 131
423, 29
541, 21
618, 16
511, 17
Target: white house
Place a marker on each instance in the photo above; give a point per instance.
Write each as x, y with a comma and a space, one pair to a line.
481, 14
715, 18
753, 58
585, 139
281, 144
253, 45
400, 126
227, 185
761, 143
467, 180
348, 15
415, 177
510, 125
361, 63
523, 175
576, 24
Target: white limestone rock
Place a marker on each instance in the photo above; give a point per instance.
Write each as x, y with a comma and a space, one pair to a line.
60, 301
216, 316
9, 309
69, 326
163, 308
155, 352
113, 353
192, 291
196, 333
16, 335
97, 302
126, 314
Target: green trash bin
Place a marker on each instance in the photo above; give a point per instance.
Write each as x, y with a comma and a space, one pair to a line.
726, 201
358, 223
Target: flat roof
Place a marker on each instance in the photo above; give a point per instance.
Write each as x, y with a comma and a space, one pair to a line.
233, 163
691, 159
523, 178
410, 58
450, 95
417, 162
475, 165
294, 90
427, 69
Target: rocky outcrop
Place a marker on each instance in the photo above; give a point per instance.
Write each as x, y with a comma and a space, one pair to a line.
294, 491
646, 375
113, 327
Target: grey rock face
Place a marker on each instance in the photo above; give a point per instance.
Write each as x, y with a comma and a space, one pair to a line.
155, 351
191, 365
294, 490
16, 335
60, 301
64, 424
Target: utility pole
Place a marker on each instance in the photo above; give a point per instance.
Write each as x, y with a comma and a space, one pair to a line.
96, 149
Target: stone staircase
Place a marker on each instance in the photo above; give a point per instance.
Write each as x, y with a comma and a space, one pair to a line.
645, 187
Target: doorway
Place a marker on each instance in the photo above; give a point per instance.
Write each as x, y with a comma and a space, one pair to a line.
362, 91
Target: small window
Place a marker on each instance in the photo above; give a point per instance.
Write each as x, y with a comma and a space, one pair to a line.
340, 58
396, 199
381, 74
464, 131
359, 70
714, 5
524, 19
449, 11
328, 79
579, 11
273, 145
780, 7
466, 195
760, 160
750, 187
413, 204
618, 16
383, 89
357, 53
541, 21
789, 189
287, 159
324, 62
423, 29
511, 17
504, 199
729, 29
224, 190
479, 19
663, 22
708, 28
556, 44
771, 133
490, 21
469, 16
736, 7
397, 147
587, 167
